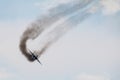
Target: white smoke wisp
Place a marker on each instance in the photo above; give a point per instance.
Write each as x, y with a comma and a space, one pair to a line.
74, 11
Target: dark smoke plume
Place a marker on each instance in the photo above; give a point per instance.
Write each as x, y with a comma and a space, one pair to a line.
74, 12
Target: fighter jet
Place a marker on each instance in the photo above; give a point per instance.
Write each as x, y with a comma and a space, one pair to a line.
35, 57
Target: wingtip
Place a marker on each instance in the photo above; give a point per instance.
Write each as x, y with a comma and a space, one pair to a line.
39, 61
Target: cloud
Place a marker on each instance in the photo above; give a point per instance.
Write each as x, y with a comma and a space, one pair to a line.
107, 7
110, 6
4, 74
91, 77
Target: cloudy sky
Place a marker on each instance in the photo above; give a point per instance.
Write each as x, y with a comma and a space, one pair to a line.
91, 51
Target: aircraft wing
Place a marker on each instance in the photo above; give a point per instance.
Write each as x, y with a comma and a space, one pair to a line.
38, 61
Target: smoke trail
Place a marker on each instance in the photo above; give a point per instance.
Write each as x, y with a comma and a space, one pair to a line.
53, 35
45, 22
